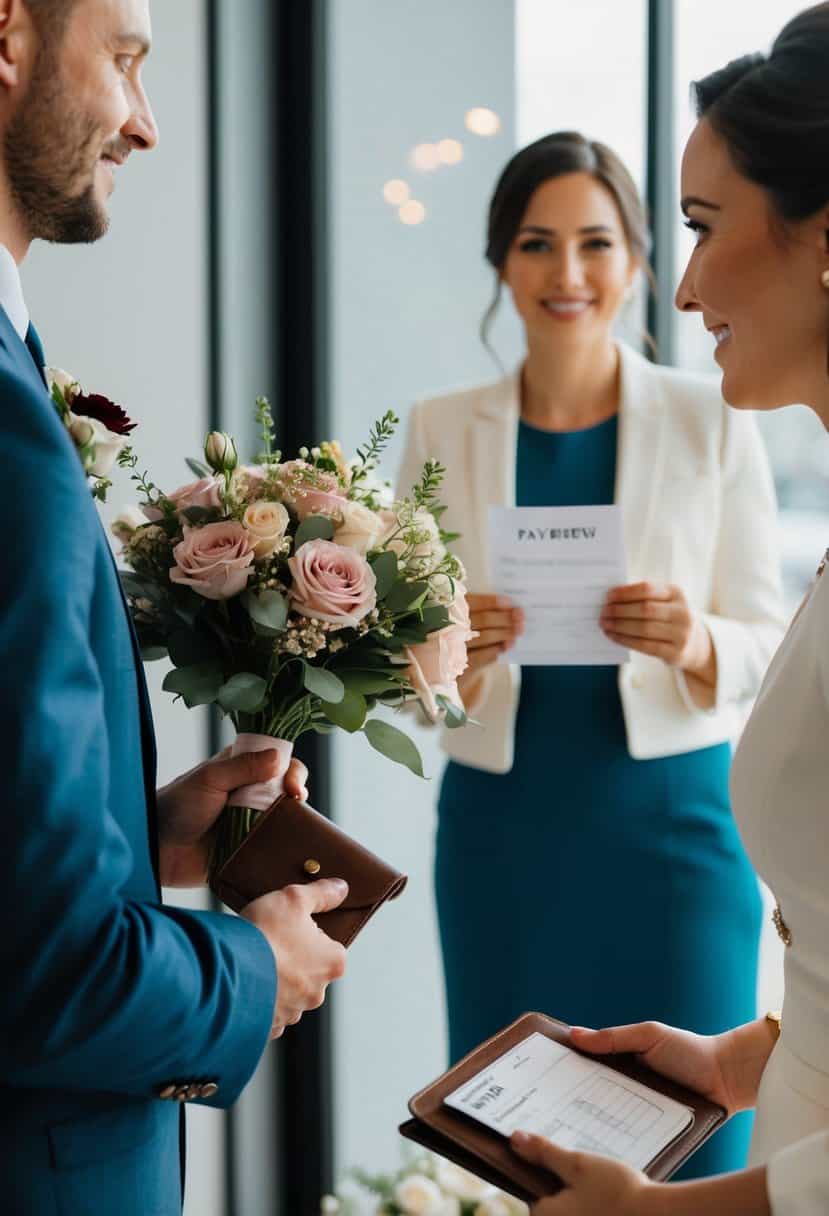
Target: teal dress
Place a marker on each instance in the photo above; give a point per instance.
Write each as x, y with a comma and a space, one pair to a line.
597, 888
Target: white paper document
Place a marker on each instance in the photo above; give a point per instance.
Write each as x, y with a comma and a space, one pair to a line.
543, 1087
558, 564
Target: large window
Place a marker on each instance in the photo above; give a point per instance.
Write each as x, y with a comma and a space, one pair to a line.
709, 34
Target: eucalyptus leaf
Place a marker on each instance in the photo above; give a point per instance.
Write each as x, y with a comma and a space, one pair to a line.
392, 743
349, 713
369, 683
150, 654
404, 597
196, 685
454, 716
243, 693
384, 566
434, 617
315, 527
196, 467
268, 610
323, 684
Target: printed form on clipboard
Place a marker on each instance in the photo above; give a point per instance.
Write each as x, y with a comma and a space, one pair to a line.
544, 1087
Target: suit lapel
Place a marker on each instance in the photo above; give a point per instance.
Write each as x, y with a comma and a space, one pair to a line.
494, 438
640, 454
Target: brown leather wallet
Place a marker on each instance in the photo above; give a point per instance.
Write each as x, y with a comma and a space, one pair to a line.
451, 1134
293, 843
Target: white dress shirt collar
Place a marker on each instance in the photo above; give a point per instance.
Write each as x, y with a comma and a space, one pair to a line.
11, 293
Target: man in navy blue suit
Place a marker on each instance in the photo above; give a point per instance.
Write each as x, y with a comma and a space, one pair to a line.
113, 1008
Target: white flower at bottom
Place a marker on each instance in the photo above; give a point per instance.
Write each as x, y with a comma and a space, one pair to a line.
418, 1195
329, 1205
68, 385
460, 1182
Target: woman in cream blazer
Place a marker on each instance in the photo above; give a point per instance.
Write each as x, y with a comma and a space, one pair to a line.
755, 190
587, 862
698, 510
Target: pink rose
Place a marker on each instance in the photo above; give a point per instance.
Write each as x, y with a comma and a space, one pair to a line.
332, 583
319, 502
214, 560
202, 493
436, 664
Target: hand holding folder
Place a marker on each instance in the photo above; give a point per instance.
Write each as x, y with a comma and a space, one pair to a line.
529, 1077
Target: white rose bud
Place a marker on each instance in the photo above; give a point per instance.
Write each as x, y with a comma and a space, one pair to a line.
418, 1195
98, 446
127, 522
329, 1205
67, 384
220, 452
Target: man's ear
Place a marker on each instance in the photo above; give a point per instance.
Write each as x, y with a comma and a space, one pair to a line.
17, 42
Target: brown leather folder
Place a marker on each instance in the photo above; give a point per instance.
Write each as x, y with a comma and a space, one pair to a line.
470, 1144
293, 843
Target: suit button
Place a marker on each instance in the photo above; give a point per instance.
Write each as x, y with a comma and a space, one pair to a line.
167, 1092
209, 1089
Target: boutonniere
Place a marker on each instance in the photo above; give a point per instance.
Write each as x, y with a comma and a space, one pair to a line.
99, 428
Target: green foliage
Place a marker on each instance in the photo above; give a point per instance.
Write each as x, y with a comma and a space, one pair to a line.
264, 417
393, 744
406, 597
378, 440
322, 683
196, 685
268, 610
315, 527
385, 569
349, 713
196, 467
243, 693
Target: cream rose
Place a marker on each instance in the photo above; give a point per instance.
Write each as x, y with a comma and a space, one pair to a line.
67, 384
266, 523
98, 446
456, 1181
331, 584
418, 1195
214, 560
360, 529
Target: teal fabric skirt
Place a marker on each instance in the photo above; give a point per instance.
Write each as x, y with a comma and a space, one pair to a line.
586, 884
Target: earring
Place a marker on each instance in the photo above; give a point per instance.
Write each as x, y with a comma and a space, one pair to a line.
824, 278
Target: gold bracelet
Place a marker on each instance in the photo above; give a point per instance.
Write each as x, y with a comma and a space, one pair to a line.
774, 1018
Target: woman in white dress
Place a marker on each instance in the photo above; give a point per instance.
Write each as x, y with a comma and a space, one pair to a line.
755, 190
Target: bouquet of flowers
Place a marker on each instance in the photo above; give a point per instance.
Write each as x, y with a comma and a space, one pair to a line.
289, 595
426, 1186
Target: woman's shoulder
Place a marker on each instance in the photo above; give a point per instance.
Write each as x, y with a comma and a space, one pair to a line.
694, 387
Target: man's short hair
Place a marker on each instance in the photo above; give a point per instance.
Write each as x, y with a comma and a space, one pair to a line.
50, 17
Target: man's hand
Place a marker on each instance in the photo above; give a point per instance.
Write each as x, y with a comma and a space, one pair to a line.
189, 807
307, 960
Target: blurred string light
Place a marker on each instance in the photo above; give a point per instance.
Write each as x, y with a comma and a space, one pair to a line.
412, 212
482, 121
425, 157
396, 192
450, 151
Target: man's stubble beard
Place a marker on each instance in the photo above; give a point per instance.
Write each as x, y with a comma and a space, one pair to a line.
48, 149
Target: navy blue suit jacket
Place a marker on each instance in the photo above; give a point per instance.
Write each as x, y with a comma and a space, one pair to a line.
106, 996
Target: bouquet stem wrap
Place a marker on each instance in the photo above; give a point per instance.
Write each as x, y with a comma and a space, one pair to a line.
247, 803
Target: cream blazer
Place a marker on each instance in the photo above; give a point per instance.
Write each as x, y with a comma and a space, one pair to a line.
779, 785
699, 510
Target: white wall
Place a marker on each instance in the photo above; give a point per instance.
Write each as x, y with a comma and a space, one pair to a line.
127, 317
405, 303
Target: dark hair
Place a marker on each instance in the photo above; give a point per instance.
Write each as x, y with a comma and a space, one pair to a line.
50, 18
773, 113
554, 156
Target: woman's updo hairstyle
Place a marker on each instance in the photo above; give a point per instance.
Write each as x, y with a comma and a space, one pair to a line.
773, 113
549, 157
